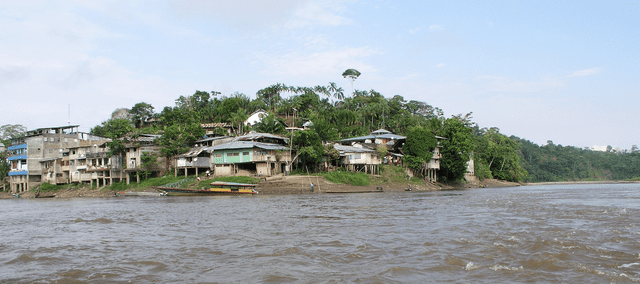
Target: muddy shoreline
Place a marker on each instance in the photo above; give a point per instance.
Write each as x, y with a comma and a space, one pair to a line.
287, 185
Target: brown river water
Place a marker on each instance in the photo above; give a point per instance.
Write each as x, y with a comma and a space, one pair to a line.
532, 234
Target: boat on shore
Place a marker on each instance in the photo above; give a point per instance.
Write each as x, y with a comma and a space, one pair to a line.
217, 188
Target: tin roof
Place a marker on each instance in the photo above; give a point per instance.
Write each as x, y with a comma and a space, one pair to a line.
245, 145
257, 135
193, 152
350, 149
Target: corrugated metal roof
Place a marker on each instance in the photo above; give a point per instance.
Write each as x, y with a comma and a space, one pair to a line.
211, 139
351, 149
246, 145
193, 152
257, 135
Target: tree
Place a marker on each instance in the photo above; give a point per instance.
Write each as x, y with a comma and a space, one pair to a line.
4, 166
271, 95
419, 147
116, 129
352, 74
309, 147
455, 151
140, 113
121, 113
11, 131
270, 124
326, 131
337, 92
177, 138
499, 155
238, 118
149, 163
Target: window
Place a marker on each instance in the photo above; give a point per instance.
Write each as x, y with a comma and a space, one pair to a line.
357, 156
218, 155
245, 153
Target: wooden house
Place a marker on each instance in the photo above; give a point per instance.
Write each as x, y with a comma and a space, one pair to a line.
359, 158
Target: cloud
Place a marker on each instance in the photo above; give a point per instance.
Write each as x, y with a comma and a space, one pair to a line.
585, 72
84, 72
440, 65
332, 61
13, 74
435, 27
319, 13
251, 16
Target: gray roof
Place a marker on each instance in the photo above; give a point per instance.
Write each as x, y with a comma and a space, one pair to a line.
193, 152
350, 149
211, 139
245, 145
257, 135
373, 137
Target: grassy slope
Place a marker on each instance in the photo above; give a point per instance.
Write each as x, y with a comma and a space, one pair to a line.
388, 174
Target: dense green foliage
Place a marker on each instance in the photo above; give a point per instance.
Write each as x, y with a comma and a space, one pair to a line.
561, 163
496, 156
456, 150
419, 147
309, 148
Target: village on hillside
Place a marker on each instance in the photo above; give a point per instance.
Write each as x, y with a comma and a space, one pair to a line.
64, 155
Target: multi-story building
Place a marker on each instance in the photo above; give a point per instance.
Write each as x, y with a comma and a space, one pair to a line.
135, 150
48, 155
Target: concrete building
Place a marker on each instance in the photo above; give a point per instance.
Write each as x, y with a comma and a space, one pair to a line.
135, 149
43, 155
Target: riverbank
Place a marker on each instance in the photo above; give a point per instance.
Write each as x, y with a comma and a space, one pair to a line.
295, 184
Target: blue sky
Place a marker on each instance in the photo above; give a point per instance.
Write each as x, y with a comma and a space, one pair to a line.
541, 70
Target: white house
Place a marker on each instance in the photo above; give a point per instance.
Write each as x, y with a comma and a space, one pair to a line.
256, 117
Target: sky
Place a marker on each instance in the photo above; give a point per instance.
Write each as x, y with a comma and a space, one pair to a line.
565, 71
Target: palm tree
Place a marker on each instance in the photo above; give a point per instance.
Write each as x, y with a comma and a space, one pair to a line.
239, 117
337, 92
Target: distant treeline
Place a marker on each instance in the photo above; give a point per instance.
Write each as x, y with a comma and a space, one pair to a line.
567, 163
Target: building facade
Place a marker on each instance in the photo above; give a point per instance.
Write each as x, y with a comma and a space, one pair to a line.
48, 155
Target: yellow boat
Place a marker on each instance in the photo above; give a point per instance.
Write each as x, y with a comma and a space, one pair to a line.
217, 187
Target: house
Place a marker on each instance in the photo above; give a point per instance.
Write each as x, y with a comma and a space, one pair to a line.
256, 117
212, 141
394, 155
249, 158
196, 158
359, 158
32, 157
136, 149
216, 127
379, 137
104, 169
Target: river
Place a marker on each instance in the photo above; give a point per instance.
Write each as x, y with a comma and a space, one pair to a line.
542, 234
